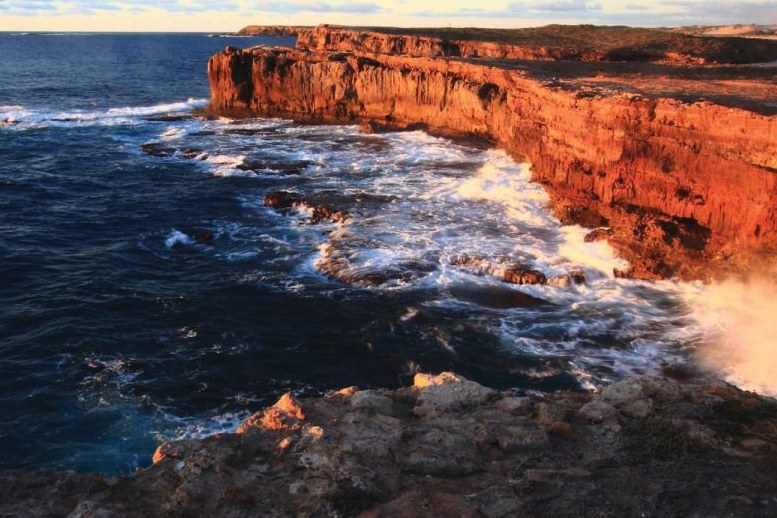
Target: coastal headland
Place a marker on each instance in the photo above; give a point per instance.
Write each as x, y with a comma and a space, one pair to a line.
663, 141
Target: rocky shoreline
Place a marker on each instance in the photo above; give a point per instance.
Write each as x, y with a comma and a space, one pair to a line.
447, 446
678, 162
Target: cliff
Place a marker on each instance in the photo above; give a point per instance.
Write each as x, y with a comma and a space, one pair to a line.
686, 189
450, 447
552, 42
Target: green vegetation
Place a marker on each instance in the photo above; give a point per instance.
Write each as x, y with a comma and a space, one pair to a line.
655, 440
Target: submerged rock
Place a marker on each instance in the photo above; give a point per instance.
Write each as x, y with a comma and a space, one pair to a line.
158, 149
284, 201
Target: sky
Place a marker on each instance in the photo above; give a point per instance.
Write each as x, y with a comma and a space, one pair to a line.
231, 15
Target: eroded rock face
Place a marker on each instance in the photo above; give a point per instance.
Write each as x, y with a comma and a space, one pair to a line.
448, 446
687, 190
553, 42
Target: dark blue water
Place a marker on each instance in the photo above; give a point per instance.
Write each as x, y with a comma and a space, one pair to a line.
119, 329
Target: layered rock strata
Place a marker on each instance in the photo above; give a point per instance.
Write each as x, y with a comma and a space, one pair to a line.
687, 190
449, 447
552, 42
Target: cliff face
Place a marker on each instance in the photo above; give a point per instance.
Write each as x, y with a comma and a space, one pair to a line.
688, 190
334, 39
552, 42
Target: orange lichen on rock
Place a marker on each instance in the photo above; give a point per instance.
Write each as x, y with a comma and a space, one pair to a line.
286, 414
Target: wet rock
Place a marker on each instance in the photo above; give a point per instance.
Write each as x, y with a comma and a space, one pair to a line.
598, 234
279, 200
251, 132
519, 274
292, 167
170, 117
193, 154
203, 237
158, 149
511, 273
339, 260
284, 201
573, 278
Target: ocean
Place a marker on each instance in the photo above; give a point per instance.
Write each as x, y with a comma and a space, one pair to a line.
147, 293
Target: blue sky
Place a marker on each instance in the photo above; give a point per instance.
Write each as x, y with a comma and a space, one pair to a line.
229, 15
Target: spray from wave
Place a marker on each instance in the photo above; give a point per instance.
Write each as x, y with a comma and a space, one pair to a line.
742, 319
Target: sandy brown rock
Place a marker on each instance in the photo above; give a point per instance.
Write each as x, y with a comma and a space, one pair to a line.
704, 449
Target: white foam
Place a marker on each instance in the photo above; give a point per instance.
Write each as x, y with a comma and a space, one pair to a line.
599, 255
448, 201
37, 117
174, 133
226, 165
157, 109
177, 238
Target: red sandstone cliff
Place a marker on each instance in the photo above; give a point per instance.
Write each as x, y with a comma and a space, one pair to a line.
552, 42
689, 190
336, 39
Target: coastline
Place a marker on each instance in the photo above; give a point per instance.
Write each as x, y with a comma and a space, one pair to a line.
448, 446
659, 168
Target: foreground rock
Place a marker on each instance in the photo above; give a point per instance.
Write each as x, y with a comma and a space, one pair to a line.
678, 162
450, 447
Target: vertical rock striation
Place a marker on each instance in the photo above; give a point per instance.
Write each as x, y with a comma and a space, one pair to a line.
688, 190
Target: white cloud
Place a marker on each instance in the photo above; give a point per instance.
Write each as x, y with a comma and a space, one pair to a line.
233, 14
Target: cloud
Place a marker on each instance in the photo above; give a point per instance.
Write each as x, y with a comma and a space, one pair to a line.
558, 6
723, 11
301, 7
558, 9
91, 7
651, 13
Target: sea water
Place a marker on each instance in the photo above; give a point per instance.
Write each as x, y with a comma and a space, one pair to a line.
152, 296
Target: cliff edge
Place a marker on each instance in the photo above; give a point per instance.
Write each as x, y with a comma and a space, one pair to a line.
449, 447
676, 164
